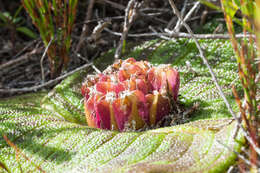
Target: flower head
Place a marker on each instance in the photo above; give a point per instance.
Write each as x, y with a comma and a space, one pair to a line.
129, 93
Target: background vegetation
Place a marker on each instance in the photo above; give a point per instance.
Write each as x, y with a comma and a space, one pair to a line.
73, 33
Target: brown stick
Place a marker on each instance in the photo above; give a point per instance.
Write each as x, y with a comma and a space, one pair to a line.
214, 78
113, 4
180, 35
85, 28
130, 16
49, 83
250, 140
18, 60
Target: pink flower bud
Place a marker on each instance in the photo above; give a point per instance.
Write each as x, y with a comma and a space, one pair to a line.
134, 94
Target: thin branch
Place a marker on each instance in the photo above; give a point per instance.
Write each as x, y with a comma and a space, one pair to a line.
26, 47
169, 35
178, 25
85, 28
142, 13
130, 15
113, 4
18, 60
175, 11
49, 83
42, 58
96, 34
160, 35
96, 69
183, 9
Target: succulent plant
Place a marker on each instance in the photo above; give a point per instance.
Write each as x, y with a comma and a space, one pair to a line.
129, 93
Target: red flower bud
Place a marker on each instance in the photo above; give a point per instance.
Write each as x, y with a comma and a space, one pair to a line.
131, 95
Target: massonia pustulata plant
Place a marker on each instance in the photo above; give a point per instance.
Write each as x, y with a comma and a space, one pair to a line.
131, 94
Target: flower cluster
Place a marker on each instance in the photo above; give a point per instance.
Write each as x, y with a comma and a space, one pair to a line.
129, 93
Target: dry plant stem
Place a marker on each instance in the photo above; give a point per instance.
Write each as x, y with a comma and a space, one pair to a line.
96, 69
26, 47
85, 29
150, 15
17, 60
49, 83
251, 133
130, 15
179, 25
175, 11
169, 35
96, 34
43, 56
183, 10
113, 4
19, 153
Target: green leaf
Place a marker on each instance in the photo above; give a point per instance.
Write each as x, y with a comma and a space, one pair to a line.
3, 17
210, 4
17, 12
26, 31
230, 7
58, 146
247, 8
51, 130
237, 2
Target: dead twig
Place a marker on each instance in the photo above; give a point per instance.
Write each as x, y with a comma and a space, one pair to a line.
214, 78
250, 140
142, 13
96, 34
179, 25
130, 16
96, 69
49, 83
113, 4
19, 60
85, 28
169, 35
26, 47
42, 58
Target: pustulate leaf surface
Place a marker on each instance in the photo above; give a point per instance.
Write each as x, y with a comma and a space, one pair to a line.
50, 128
